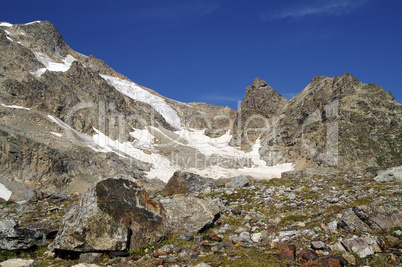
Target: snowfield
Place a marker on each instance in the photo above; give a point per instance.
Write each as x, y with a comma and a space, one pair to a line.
51, 65
135, 92
4, 192
144, 149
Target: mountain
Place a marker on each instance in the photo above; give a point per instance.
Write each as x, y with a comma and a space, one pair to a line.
68, 120
336, 122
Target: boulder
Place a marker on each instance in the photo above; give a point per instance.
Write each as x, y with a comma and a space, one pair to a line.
113, 215
350, 222
363, 218
238, 181
390, 175
18, 263
13, 237
330, 260
188, 214
58, 198
379, 217
185, 182
363, 246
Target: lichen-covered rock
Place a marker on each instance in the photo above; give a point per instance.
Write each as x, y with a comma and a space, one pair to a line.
390, 174
18, 263
364, 218
185, 182
113, 215
13, 237
188, 214
363, 246
238, 181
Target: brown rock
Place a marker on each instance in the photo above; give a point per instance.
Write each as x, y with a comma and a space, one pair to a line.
214, 237
307, 254
273, 228
185, 182
289, 252
327, 261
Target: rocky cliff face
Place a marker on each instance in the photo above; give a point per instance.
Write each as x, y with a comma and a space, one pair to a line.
47, 88
69, 120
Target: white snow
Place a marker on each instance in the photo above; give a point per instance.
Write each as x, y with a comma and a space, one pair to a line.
6, 24
135, 92
14, 106
4, 192
7, 32
36, 21
51, 65
219, 147
10, 39
56, 134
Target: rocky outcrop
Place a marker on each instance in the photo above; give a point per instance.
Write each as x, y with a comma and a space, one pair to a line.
318, 126
363, 218
13, 237
18, 263
185, 182
188, 214
259, 106
238, 181
363, 246
113, 215
390, 174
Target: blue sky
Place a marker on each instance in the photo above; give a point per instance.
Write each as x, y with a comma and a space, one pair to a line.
210, 50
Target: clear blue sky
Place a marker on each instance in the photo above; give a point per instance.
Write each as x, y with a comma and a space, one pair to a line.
210, 50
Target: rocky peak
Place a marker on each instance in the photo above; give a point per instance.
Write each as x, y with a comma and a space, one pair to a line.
40, 36
258, 83
260, 103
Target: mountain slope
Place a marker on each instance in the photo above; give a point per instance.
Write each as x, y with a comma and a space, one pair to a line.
69, 120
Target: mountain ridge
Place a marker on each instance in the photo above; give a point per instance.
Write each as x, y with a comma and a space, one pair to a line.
79, 107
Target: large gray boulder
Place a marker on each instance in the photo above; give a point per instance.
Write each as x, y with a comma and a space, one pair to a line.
185, 182
113, 215
238, 181
18, 263
390, 175
363, 218
363, 246
188, 214
13, 237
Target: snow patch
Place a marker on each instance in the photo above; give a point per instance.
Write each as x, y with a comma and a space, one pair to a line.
135, 92
56, 134
14, 106
51, 65
263, 173
5, 24
4, 192
10, 39
7, 32
33, 22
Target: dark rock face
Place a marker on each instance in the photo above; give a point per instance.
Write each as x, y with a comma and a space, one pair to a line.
114, 215
185, 182
13, 237
79, 97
